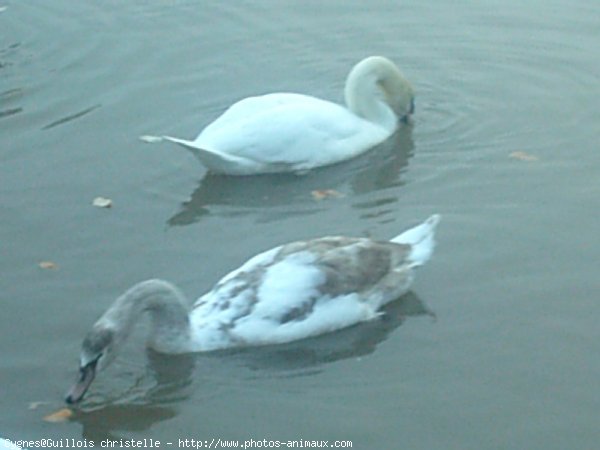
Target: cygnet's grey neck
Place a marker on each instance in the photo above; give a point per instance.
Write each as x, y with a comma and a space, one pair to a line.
168, 310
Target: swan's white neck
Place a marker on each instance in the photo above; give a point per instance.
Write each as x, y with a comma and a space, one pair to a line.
168, 309
370, 87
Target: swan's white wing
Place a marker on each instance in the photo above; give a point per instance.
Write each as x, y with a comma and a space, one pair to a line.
250, 106
290, 129
304, 289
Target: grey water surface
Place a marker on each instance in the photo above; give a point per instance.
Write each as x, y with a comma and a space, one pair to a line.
497, 346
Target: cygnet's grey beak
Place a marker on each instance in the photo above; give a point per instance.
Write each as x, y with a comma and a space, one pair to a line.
87, 374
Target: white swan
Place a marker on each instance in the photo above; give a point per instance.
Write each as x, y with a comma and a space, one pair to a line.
290, 292
285, 132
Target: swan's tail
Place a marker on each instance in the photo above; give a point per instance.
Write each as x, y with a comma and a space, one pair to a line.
421, 239
212, 159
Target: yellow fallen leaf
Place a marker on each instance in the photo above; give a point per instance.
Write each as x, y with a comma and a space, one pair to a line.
522, 156
321, 194
101, 202
48, 265
62, 415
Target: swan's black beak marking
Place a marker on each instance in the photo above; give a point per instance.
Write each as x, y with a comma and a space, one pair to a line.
411, 110
87, 374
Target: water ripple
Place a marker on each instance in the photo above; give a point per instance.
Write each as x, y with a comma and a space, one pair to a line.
10, 112
71, 117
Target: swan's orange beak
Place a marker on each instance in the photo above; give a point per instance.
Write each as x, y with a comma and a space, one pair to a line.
87, 374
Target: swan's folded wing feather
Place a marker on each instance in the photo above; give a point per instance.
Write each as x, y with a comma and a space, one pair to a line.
251, 106
306, 131
302, 289
288, 281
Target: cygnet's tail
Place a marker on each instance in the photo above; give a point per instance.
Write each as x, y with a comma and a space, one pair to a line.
212, 159
421, 238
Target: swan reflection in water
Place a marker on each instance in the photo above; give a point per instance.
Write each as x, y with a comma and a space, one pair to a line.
172, 379
270, 196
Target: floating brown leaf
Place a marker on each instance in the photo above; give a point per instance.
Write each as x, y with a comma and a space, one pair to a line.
522, 156
101, 202
322, 194
48, 265
62, 415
